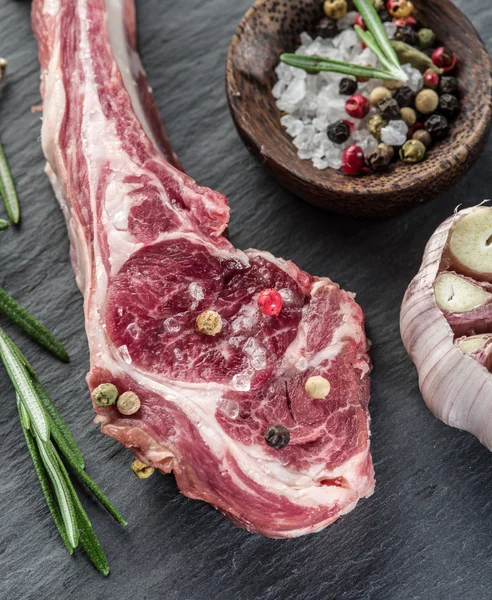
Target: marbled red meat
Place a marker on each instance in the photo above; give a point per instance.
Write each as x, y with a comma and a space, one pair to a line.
149, 256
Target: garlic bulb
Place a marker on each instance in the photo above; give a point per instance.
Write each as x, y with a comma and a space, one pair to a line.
446, 322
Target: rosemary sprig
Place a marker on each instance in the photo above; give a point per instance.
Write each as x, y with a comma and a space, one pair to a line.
36, 330
60, 432
317, 63
41, 421
376, 39
7, 189
376, 27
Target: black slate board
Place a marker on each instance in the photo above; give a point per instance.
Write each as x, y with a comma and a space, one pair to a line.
427, 531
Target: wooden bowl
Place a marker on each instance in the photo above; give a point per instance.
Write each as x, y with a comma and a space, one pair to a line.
270, 28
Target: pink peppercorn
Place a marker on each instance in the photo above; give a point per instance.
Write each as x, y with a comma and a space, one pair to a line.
405, 22
431, 79
444, 59
357, 106
270, 302
353, 160
360, 22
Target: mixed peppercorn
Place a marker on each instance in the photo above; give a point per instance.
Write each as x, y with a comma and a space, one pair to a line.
426, 114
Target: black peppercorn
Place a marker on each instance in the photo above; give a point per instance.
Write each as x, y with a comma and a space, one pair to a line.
389, 109
404, 96
379, 159
348, 87
437, 126
449, 106
385, 16
407, 34
448, 85
327, 28
277, 437
339, 132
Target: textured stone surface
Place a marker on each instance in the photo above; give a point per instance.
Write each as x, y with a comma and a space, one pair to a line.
427, 531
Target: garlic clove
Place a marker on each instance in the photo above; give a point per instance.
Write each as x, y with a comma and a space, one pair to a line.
470, 243
456, 294
471, 344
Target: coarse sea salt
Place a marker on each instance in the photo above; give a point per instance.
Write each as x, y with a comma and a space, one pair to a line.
312, 101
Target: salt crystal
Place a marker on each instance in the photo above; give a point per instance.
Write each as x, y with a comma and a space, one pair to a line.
320, 164
242, 381
125, 355
229, 407
366, 58
196, 292
304, 139
391, 29
279, 88
133, 330
287, 295
415, 78
347, 41
302, 364
236, 340
305, 38
347, 21
293, 95
256, 352
172, 325
394, 134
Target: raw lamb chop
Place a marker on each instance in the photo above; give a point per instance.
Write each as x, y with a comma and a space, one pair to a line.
149, 257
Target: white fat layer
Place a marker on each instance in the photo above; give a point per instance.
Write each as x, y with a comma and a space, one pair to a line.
126, 59
51, 7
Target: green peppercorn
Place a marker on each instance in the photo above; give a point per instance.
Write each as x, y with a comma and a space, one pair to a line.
405, 96
408, 116
379, 159
426, 38
412, 151
277, 437
389, 149
105, 394
421, 135
389, 109
427, 101
409, 54
375, 124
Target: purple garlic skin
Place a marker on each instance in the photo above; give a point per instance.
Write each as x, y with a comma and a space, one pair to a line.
446, 322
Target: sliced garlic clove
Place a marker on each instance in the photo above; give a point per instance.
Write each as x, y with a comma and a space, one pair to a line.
470, 344
455, 294
470, 243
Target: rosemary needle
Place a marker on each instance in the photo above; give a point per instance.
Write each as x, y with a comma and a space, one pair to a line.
7, 189
20, 316
46, 433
